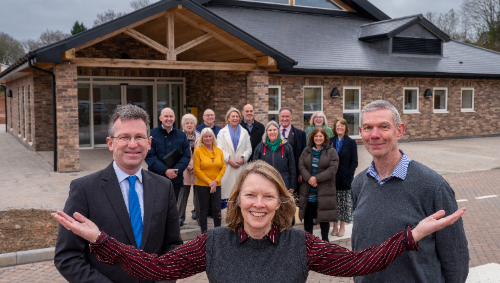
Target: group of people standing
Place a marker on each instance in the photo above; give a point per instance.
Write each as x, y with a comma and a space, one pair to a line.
317, 166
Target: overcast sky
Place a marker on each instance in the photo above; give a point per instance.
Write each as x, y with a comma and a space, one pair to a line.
25, 19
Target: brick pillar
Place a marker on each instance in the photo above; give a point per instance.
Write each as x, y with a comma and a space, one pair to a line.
258, 93
68, 159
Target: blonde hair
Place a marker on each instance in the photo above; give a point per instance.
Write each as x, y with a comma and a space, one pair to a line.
203, 132
286, 211
325, 121
231, 110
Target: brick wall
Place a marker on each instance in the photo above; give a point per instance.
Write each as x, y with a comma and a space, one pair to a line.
2, 106
67, 118
258, 94
423, 126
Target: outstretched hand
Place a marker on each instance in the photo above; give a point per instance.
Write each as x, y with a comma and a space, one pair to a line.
80, 225
432, 223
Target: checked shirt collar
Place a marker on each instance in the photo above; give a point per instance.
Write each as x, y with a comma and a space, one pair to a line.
399, 172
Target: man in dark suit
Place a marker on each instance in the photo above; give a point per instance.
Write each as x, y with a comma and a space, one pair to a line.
132, 205
254, 128
296, 138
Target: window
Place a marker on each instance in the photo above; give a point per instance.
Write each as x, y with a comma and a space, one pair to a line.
274, 103
313, 101
410, 100
352, 109
328, 4
440, 100
420, 46
467, 100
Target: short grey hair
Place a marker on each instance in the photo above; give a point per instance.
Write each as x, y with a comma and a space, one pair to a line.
272, 123
231, 110
325, 121
286, 108
128, 112
380, 105
188, 116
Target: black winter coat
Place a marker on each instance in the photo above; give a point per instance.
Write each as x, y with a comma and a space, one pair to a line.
282, 160
348, 162
162, 144
255, 135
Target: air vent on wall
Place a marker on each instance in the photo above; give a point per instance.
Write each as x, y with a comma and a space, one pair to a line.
422, 46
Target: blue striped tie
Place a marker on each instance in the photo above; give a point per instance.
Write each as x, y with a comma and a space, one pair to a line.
134, 210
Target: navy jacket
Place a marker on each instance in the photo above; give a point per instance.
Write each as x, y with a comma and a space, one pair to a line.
348, 162
163, 143
215, 129
255, 135
282, 160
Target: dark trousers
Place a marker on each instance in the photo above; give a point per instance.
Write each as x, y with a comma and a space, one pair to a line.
311, 212
177, 192
204, 198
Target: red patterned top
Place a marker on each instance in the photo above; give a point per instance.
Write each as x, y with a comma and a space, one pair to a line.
190, 258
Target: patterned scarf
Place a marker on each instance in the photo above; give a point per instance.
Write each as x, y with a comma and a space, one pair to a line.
313, 192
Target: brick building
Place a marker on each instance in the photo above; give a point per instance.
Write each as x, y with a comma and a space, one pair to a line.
335, 56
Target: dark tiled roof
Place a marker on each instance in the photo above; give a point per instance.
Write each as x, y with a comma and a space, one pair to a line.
331, 45
18, 63
384, 27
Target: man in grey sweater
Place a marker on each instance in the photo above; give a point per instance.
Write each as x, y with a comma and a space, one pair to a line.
396, 191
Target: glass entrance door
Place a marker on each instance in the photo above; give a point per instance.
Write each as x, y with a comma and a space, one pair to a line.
142, 96
171, 95
105, 100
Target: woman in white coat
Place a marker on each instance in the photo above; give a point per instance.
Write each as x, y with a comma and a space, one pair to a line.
235, 144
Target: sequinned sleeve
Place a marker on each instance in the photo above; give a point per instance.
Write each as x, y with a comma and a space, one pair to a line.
184, 261
334, 260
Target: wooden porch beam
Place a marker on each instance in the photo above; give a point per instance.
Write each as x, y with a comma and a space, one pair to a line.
68, 54
146, 40
192, 43
266, 62
215, 35
171, 55
162, 64
116, 32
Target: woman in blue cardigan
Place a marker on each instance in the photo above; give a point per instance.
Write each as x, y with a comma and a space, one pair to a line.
348, 162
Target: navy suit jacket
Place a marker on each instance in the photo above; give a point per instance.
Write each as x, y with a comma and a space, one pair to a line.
300, 143
348, 162
255, 135
99, 198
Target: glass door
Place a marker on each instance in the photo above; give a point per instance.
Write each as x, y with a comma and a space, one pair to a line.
171, 95
105, 100
142, 96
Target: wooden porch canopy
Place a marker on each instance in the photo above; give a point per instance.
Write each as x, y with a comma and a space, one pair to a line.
189, 37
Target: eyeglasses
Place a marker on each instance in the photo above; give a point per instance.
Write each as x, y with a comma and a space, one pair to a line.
127, 139
209, 115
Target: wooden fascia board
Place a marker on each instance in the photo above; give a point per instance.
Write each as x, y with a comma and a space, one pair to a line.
146, 40
162, 64
118, 31
215, 35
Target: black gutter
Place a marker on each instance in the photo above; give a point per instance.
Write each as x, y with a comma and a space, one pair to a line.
54, 113
386, 74
5, 94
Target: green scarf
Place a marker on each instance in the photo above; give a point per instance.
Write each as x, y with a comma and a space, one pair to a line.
273, 145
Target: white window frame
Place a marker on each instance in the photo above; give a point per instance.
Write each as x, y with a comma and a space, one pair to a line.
303, 95
412, 111
275, 112
461, 97
352, 110
445, 110
114, 80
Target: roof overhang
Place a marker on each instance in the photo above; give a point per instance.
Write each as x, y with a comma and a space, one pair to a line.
14, 73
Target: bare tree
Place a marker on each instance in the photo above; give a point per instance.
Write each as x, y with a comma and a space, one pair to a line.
50, 36
10, 49
447, 22
483, 16
139, 4
31, 44
107, 16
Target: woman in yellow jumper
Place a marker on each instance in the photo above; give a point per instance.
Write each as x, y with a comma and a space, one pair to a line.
209, 167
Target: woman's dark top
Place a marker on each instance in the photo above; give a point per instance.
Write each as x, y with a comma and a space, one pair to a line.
234, 249
282, 160
348, 162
